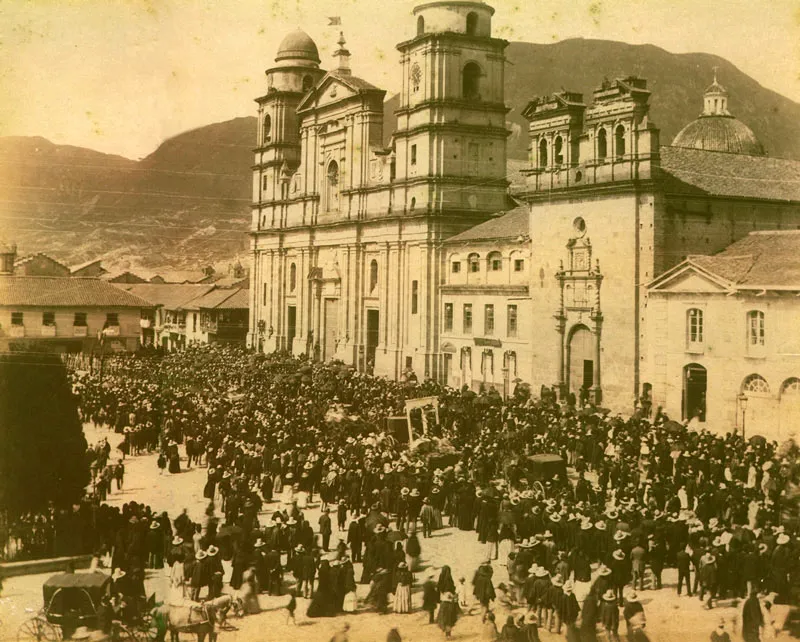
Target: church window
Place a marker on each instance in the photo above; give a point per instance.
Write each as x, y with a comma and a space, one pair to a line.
266, 132
373, 275
414, 297
308, 83
488, 319
474, 263
467, 318
619, 141
558, 151
420, 26
694, 326
602, 145
511, 320
333, 186
755, 328
413, 202
265, 182
471, 81
448, 317
472, 23
456, 267
413, 154
292, 277
519, 265
494, 262
16, 318
755, 383
543, 153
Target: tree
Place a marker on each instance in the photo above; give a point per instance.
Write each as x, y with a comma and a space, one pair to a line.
42, 446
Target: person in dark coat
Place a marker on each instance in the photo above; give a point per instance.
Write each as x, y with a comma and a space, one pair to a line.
446, 584
430, 597
355, 538
569, 610
325, 529
752, 619
379, 591
483, 589
589, 615
609, 616
323, 602
683, 561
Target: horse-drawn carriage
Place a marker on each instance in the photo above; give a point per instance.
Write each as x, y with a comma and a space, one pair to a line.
72, 603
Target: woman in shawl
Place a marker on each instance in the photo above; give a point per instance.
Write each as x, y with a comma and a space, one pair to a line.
510, 630
483, 589
448, 613
413, 551
322, 604
402, 589
446, 583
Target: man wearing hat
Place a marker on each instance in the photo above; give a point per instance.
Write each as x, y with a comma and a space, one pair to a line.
609, 616
325, 529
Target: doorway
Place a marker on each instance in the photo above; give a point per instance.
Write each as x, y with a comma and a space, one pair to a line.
581, 359
373, 337
291, 327
695, 383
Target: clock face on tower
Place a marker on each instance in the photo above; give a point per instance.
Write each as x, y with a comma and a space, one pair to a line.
416, 77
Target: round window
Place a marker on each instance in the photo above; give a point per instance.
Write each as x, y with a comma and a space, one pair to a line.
580, 226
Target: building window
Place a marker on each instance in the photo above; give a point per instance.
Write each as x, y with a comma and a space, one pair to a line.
455, 267
413, 154
619, 141
265, 294
511, 330
194, 321
519, 265
266, 132
448, 317
755, 328
694, 326
333, 186
472, 23
420, 26
112, 318
414, 296
755, 384
308, 83
48, 318
80, 319
16, 318
413, 203
265, 182
487, 362
471, 79
373, 275
488, 319
602, 144
292, 277
558, 151
494, 262
467, 318
543, 153
474, 263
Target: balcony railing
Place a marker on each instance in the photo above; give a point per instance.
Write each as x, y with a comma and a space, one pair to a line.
111, 331
16, 331
48, 331
80, 331
145, 324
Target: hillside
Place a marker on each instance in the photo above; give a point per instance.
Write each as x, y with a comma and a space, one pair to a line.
188, 202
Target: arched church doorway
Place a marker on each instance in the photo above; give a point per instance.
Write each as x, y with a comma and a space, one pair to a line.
695, 384
581, 360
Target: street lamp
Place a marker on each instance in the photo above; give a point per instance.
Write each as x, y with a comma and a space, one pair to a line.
743, 405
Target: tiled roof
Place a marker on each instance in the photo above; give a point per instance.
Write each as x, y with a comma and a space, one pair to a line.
27, 259
52, 292
719, 133
510, 225
354, 82
222, 299
82, 266
172, 296
734, 175
759, 260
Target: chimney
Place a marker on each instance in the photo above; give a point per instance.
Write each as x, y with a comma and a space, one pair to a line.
343, 56
8, 254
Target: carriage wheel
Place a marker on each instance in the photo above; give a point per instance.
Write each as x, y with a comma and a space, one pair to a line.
38, 629
122, 634
147, 631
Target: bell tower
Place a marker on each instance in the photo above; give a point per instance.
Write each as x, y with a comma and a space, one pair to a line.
451, 135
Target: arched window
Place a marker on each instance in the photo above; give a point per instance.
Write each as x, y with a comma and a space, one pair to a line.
308, 83
602, 144
420, 26
471, 81
755, 384
494, 262
472, 23
543, 153
619, 141
333, 186
266, 131
791, 387
558, 151
413, 202
694, 326
755, 328
292, 277
373, 275
474, 262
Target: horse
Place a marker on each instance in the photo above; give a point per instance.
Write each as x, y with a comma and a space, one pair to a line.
198, 618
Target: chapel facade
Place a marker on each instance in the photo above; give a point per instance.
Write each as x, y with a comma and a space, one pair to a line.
346, 232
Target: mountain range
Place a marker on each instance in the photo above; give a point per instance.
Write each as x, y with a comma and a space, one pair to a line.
188, 203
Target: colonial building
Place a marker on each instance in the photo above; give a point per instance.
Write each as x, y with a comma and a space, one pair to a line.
485, 325
722, 329
611, 209
347, 234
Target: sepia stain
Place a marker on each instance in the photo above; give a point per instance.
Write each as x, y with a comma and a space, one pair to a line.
595, 9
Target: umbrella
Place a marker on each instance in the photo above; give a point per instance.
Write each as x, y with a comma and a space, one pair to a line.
673, 426
757, 439
375, 518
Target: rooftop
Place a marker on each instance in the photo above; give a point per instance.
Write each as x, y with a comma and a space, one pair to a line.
223, 299
54, 291
510, 225
172, 296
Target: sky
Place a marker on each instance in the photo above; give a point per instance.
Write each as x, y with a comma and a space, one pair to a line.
121, 76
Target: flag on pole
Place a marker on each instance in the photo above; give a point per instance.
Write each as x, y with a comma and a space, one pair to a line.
334, 21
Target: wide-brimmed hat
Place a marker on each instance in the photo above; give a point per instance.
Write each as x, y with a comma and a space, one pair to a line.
200, 555
541, 572
259, 543
620, 535
226, 475
601, 525
547, 534
612, 513
619, 554
118, 574
783, 538
405, 491
212, 551
299, 548
291, 522
557, 581
211, 471
414, 492
604, 570
81, 633
154, 525
177, 541
586, 525
380, 528
609, 596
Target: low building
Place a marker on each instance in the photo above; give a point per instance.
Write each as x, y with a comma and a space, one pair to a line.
724, 348
39, 264
93, 268
485, 326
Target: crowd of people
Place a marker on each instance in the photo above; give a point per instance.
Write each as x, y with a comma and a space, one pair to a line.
645, 494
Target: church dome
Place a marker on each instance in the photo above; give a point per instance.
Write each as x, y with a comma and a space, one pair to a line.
716, 130
298, 46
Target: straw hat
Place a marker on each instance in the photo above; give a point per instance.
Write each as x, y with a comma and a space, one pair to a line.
212, 550
81, 633
414, 492
601, 525
604, 570
259, 543
177, 541
154, 525
609, 596
541, 572
783, 538
618, 555
200, 555
118, 574
557, 581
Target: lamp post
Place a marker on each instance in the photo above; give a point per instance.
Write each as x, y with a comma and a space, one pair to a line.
743, 405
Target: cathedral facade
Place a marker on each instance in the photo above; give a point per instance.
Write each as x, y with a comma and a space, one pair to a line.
346, 232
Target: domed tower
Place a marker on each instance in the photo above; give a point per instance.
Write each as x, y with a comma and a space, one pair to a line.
716, 130
277, 151
451, 119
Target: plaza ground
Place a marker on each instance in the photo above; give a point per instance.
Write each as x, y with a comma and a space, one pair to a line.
669, 617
